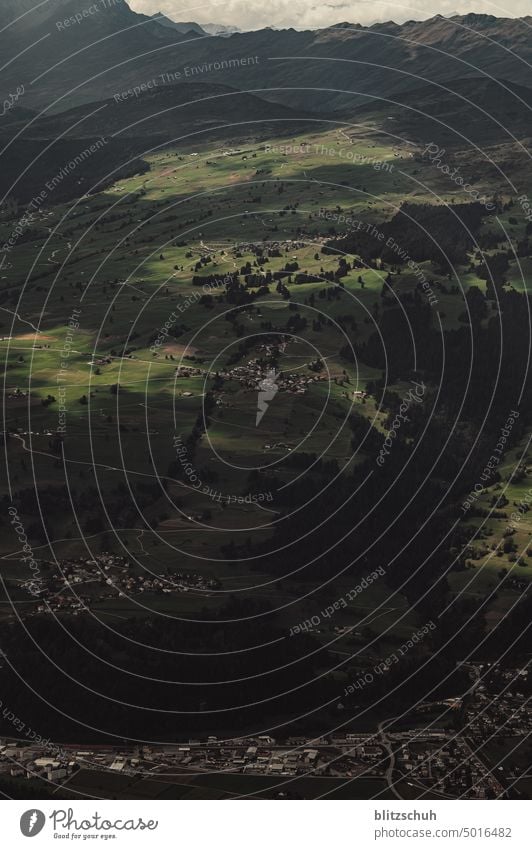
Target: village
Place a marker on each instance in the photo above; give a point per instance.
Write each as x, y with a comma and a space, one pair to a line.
265, 369
251, 375
76, 585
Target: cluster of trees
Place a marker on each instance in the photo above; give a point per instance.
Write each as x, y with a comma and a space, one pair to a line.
443, 234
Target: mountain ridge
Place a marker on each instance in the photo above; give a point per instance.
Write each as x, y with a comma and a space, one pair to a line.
332, 68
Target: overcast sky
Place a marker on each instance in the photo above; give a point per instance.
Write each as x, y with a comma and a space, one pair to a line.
254, 14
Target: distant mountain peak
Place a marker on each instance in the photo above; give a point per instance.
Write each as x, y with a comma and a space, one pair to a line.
476, 18
220, 29
180, 26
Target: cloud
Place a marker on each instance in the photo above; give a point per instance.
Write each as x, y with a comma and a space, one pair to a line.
306, 14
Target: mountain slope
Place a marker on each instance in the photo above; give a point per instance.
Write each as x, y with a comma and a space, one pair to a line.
167, 113
63, 52
501, 110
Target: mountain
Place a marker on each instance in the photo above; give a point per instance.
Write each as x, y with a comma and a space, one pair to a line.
180, 27
63, 53
501, 111
169, 112
220, 29
386, 58
336, 68
66, 15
